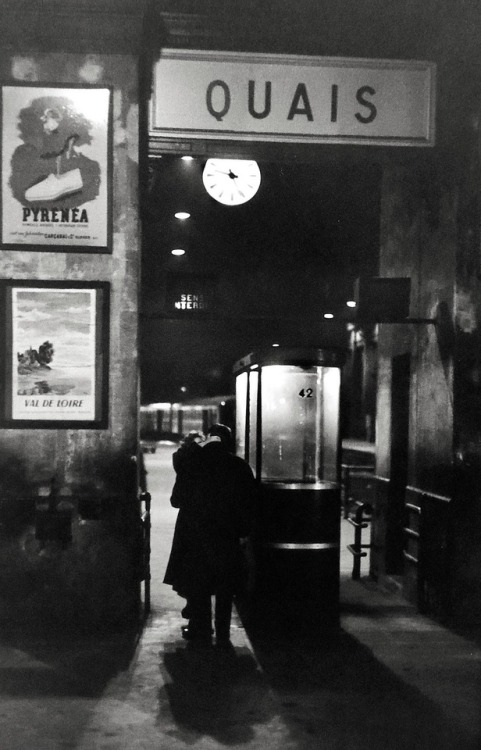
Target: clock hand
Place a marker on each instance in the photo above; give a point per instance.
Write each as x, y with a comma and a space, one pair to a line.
230, 173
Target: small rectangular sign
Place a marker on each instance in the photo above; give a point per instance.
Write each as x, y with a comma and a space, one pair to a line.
382, 299
242, 96
188, 294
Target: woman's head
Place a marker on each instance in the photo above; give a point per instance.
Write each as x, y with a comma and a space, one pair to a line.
223, 432
193, 437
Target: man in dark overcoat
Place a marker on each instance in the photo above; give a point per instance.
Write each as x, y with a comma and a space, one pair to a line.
215, 493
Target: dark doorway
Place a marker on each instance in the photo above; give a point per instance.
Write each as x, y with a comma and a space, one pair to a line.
401, 369
267, 271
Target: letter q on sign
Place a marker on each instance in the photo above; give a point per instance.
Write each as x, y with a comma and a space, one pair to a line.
218, 93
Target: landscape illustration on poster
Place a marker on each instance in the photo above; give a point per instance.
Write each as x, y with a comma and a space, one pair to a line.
53, 353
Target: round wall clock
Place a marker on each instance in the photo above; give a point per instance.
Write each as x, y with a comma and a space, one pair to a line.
231, 181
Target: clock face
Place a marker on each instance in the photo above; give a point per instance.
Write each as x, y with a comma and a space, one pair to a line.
231, 181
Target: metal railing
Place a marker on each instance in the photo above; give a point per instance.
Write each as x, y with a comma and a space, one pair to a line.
356, 479
357, 547
426, 534
145, 526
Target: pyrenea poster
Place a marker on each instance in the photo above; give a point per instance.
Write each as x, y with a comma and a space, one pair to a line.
55, 353
56, 182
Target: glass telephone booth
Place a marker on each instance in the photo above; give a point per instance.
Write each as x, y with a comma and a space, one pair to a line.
287, 428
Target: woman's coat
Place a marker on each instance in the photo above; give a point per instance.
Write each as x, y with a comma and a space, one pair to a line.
215, 493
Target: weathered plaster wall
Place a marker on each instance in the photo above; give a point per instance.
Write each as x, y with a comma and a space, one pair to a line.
430, 232
413, 246
92, 582
465, 549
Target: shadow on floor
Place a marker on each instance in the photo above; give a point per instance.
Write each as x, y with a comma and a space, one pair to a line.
63, 666
216, 694
335, 689
299, 693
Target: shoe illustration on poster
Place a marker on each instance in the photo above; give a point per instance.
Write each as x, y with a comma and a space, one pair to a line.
49, 165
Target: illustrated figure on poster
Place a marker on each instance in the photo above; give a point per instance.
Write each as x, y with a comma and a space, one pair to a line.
48, 168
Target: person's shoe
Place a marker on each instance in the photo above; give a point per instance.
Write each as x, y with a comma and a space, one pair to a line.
191, 634
53, 186
224, 644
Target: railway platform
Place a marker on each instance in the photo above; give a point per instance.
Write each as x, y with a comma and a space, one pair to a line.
391, 679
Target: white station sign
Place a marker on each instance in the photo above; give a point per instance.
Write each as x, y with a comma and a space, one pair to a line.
282, 98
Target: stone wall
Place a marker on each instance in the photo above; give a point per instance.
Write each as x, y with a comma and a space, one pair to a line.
430, 232
91, 582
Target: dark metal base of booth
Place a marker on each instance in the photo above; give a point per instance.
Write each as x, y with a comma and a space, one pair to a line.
296, 592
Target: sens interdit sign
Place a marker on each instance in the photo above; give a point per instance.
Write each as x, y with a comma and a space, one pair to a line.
283, 98
190, 302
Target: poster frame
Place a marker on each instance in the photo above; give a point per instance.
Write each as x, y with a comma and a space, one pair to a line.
57, 233
100, 340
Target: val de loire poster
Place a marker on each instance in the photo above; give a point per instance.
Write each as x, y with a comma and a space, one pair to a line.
54, 354
56, 163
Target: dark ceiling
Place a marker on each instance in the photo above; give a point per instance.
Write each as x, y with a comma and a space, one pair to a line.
270, 268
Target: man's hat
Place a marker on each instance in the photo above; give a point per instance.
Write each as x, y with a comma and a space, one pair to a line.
221, 431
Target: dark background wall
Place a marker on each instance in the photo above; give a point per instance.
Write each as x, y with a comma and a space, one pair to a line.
269, 269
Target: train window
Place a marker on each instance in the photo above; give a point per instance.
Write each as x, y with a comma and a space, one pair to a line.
253, 388
241, 406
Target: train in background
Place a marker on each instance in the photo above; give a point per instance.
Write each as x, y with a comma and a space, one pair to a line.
171, 421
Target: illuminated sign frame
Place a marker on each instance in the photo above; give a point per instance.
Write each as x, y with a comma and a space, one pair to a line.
285, 98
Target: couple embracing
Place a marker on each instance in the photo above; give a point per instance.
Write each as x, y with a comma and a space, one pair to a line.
215, 492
